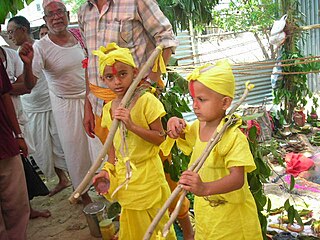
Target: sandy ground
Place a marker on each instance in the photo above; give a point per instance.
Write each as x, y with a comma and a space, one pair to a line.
69, 222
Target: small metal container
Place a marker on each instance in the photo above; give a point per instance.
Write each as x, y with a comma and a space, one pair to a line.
94, 214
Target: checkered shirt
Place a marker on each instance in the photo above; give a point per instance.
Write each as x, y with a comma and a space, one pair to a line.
138, 25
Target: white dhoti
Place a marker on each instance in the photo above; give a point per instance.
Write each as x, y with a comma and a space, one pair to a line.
68, 114
49, 153
42, 128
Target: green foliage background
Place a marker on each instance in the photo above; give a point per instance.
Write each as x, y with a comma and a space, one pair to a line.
12, 6
250, 15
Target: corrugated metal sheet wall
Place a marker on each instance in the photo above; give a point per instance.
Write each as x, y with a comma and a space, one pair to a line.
311, 45
260, 78
258, 74
186, 49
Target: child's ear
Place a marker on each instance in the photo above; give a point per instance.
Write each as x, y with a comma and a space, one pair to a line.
226, 102
135, 72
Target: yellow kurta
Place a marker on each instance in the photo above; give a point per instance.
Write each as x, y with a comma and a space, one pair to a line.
237, 218
147, 190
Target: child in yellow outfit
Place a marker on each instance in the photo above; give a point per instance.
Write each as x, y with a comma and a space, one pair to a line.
147, 189
224, 206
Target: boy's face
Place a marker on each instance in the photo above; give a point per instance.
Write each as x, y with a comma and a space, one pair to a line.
119, 77
208, 105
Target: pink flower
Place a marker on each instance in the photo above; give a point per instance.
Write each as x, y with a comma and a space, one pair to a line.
85, 63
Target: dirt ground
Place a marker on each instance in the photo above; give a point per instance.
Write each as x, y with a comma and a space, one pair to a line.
68, 221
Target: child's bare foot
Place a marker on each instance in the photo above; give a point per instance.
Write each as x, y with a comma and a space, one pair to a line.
36, 214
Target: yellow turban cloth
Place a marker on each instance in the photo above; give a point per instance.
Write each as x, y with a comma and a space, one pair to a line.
110, 54
217, 77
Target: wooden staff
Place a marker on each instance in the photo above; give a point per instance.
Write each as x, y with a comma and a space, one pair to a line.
215, 138
115, 123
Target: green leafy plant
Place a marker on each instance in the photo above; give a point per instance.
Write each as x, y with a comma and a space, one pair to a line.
260, 176
183, 13
293, 88
315, 105
11, 6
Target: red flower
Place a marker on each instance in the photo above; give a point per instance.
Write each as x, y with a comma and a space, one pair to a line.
85, 63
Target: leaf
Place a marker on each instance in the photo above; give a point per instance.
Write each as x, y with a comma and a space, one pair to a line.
287, 205
298, 218
260, 200
291, 214
255, 185
10, 6
292, 182
253, 133
269, 205
166, 166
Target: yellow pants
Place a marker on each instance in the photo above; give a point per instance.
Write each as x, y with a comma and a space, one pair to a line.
134, 224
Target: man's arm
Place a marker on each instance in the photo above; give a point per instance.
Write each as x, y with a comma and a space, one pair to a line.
157, 25
26, 54
88, 119
11, 115
166, 54
18, 87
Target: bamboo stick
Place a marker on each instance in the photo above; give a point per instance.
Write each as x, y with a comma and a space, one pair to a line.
261, 63
309, 27
216, 136
276, 73
115, 123
195, 167
264, 62
262, 73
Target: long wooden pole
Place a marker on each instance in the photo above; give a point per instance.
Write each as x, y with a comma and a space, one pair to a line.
115, 123
215, 138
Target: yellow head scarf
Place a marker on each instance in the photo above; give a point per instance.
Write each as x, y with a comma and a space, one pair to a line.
217, 77
110, 54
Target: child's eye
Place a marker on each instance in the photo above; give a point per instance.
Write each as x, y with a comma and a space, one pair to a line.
200, 99
123, 74
108, 76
